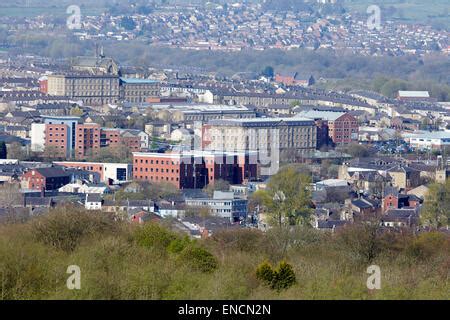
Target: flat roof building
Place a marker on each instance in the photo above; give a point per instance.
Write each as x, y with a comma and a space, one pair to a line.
193, 169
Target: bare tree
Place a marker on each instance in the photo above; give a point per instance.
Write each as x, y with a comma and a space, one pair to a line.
11, 201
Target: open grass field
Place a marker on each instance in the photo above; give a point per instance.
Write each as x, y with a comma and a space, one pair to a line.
37, 11
435, 11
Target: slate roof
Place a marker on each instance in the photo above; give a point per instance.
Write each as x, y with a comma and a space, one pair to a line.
94, 197
331, 224
362, 204
52, 172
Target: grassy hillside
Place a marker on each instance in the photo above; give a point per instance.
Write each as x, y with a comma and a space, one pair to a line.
119, 261
435, 12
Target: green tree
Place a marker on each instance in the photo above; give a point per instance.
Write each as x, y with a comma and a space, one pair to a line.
284, 277
265, 273
128, 23
436, 210
268, 72
76, 111
287, 199
199, 258
16, 151
152, 235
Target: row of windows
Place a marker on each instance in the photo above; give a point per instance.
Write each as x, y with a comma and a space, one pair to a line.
56, 129
345, 130
156, 161
157, 178
157, 170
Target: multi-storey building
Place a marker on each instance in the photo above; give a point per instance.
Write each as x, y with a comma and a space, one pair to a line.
343, 128
56, 85
56, 140
87, 139
63, 137
56, 134
96, 80
93, 89
138, 90
193, 169
222, 204
293, 135
91, 138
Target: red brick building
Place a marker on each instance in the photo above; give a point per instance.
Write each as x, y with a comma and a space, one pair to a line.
87, 139
130, 141
294, 80
91, 138
57, 140
343, 128
87, 166
43, 85
192, 170
45, 179
395, 200
110, 137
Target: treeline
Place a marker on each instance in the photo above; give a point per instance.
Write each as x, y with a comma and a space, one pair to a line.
122, 261
385, 75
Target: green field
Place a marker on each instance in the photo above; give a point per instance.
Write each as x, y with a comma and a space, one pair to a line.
54, 11
411, 11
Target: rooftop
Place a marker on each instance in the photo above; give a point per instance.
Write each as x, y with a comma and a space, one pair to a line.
414, 94
262, 121
325, 115
138, 81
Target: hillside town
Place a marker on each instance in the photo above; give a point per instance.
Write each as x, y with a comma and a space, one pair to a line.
151, 144
241, 26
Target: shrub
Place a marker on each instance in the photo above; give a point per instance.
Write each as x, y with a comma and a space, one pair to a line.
199, 259
246, 240
152, 235
282, 278
265, 273
427, 244
178, 245
361, 242
65, 227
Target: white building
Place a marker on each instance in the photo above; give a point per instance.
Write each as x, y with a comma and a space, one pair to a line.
429, 140
222, 204
115, 173
84, 188
37, 137
93, 201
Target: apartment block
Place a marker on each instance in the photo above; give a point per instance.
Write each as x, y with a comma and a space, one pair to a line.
57, 140
342, 127
193, 169
87, 139
284, 135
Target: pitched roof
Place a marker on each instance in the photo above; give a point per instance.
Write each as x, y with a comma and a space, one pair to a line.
325, 115
360, 203
93, 197
52, 172
330, 224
